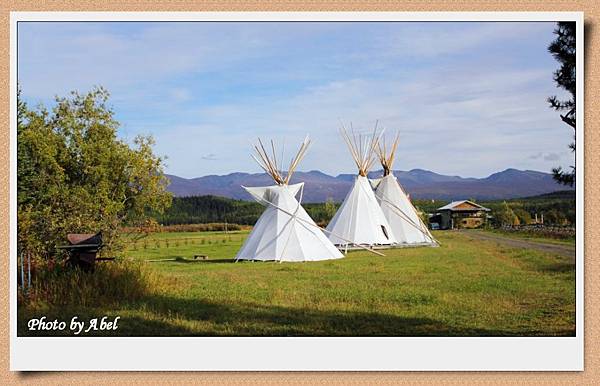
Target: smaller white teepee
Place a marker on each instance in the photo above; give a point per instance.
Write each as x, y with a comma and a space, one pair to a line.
284, 232
402, 216
360, 218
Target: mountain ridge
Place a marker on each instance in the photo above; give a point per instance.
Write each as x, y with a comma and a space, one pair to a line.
419, 183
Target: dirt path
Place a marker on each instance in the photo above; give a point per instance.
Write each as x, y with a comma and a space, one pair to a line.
563, 250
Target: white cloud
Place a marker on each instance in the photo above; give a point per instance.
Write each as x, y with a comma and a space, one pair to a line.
422, 39
471, 116
80, 55
439, 130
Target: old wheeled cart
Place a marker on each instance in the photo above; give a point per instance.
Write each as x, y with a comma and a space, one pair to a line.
83, 250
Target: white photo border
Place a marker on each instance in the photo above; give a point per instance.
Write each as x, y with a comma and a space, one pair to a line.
299, 353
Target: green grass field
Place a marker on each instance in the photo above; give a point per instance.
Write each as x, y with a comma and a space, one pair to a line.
463, 288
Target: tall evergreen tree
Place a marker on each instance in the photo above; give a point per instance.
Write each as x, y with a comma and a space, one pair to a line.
563, 50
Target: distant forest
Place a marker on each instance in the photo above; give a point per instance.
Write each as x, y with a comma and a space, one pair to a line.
215, 209
557, 207
210, 209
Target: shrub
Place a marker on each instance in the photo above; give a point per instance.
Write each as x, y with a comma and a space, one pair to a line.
555, 217
211, 227
76, 176
523, 215
111, 283
505, 216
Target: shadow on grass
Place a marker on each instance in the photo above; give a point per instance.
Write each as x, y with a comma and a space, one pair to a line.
246, 319
172, 316
217, 261
128, 324
558, 267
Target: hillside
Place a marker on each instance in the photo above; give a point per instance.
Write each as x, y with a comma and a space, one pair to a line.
419, 183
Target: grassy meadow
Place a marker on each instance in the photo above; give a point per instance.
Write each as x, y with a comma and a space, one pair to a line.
465, 287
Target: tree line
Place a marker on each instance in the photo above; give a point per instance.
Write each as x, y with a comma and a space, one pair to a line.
557, 208
209, 209
216, 209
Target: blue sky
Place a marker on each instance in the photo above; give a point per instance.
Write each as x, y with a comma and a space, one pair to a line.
468, 99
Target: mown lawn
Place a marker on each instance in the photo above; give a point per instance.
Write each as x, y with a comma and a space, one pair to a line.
463, 288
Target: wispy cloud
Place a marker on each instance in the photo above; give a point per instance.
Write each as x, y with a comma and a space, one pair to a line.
209, 157
468, 98
546, 156
427, 40
551, 157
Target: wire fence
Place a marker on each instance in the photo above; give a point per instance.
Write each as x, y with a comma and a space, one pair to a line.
158, 243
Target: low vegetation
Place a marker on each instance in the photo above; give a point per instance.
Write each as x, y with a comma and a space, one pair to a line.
463, 288
558, 208
210, 227
55, 286
543, 234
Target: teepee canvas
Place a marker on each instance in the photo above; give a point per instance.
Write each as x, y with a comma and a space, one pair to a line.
402, 216
284, 232
360, 219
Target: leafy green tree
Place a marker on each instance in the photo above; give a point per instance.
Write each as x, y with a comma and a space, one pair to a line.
563, 50
523, 216
75, 175
555, 217
505, 216
423, 216
330, 209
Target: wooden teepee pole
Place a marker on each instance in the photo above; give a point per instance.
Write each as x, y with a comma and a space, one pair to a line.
272, 166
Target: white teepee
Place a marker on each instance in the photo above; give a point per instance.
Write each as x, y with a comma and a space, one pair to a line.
360, 218
402, 216
284, 232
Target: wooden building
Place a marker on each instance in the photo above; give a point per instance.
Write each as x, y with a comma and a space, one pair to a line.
460, 214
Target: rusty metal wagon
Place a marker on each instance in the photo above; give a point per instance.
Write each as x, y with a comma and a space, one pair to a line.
83, 249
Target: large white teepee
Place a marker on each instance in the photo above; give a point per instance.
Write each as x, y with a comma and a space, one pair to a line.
395, 204
284, 232
360, 218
